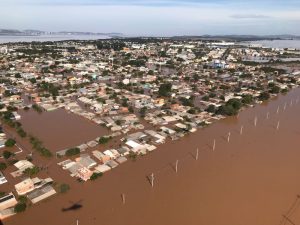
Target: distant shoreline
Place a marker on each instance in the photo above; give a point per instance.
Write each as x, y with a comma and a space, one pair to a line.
5, 39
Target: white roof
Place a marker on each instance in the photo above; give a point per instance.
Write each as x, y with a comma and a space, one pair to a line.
133, 144
109, 153
23, 165
181, 125
102, 168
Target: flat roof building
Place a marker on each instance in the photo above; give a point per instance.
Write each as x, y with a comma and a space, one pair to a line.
8, 201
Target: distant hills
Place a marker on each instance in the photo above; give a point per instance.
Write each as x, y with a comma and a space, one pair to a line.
29, 32
32, 32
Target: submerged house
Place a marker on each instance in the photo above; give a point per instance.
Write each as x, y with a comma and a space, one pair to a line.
7, 203
24, 187
84, 173
41, 193
2, 178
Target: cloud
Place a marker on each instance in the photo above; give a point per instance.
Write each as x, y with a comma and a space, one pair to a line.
153, 17
250, 16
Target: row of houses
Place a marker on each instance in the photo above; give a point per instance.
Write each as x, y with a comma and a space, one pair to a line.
34, 189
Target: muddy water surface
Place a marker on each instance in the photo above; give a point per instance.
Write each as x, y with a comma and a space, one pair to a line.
252, 180
59, 129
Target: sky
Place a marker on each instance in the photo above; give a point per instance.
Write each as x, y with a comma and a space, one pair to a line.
154, 17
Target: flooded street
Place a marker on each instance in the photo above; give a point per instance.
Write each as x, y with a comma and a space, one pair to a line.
253, 179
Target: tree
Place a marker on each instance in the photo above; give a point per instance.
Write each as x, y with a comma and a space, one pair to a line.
21, 132
275, 89
205, 98
247, 99
143, 111
264, 96
96, 175
20, 207
10, 142
130, 108
192, 111
132, 155
187, 102
22, 199
118, 122
165, 89
31, 171
230, 108
37, 108
7, 154
72, 151
63, 188
150, 72
235, 103
227, 110
212, 95
17, 75
32, 80
211, 109
196, 77
3, 166
104, 139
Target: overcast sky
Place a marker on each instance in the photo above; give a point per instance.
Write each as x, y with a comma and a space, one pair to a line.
154, 17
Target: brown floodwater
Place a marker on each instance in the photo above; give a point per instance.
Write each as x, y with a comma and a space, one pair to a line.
253, 179
60, 129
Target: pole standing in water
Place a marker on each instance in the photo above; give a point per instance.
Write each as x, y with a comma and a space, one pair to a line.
152, 179
123, 199
176, 166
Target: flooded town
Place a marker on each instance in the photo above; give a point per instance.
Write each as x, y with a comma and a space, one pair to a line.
126, 130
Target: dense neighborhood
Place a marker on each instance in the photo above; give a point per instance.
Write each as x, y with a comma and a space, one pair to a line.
140, 92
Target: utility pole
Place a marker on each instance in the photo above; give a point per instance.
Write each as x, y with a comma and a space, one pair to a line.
255, 121
214, 145
197, 154
152, 180
284, 108
123, 199
241, 130
176, 166
278, 124
228, 137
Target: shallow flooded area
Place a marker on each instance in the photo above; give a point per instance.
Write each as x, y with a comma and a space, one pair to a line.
252, 179
60, 129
